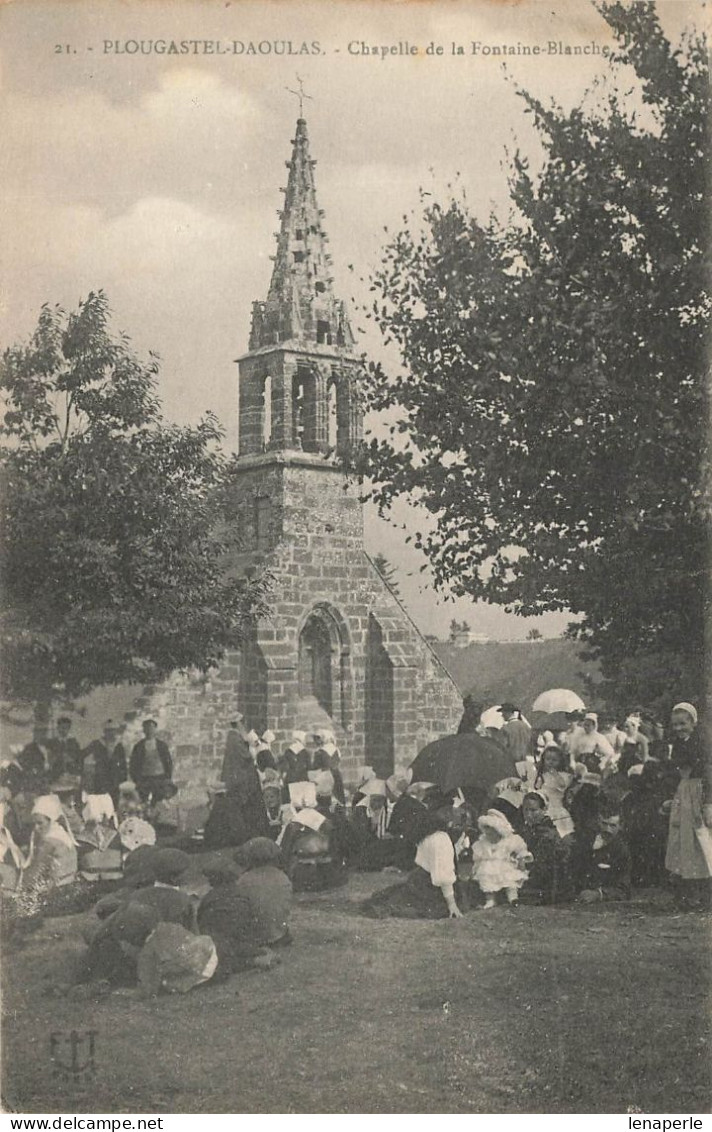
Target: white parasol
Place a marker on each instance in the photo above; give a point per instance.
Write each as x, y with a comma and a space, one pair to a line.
556, 700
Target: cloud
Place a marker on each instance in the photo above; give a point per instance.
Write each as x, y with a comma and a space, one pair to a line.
189, 137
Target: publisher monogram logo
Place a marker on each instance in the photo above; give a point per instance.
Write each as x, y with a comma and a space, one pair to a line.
72, 1055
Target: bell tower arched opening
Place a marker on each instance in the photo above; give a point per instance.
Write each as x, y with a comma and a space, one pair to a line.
267, 412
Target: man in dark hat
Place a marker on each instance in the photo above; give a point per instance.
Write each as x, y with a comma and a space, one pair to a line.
516, 733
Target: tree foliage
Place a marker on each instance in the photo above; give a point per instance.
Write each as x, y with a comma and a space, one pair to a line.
459, 629
552, 405
388, 572
111, 566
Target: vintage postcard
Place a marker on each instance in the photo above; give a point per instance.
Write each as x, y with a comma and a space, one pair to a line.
352, 353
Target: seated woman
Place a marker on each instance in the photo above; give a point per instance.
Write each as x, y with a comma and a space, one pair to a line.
553, 779
67, 789
272, 795
548, 880
267, 888
226, 824
225, 915
247, 910
410, 821
52, 860
429, 891
99, 841
373, 845
342, 843
312, 849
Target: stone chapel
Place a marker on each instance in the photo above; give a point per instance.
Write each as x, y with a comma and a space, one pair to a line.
339, 650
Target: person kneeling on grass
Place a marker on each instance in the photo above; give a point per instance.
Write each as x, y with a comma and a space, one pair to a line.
247, 910
429, 892
499, 859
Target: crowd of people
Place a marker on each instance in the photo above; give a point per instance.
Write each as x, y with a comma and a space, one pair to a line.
592, 812
587, 814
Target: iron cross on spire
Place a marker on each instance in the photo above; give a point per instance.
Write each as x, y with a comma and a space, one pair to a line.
301, 95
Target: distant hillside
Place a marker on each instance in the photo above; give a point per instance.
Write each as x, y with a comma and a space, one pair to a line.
496, 671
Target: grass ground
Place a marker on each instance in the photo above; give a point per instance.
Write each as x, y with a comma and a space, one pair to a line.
600, 1009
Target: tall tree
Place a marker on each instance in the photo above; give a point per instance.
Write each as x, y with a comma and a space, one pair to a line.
388, 572
112, 567
552, 402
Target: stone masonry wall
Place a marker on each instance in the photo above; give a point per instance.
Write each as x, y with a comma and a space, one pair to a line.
318, 561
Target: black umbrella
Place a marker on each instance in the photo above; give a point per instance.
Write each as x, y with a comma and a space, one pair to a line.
469, 761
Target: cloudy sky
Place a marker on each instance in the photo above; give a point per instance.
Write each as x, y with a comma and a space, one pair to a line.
156, 177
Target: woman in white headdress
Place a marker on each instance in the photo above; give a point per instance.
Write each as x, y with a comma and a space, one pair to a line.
374, 847
327, 756
264, 758
689, 847
53, 853
294, 762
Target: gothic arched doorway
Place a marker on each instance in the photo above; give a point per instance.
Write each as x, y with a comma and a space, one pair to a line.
324, 664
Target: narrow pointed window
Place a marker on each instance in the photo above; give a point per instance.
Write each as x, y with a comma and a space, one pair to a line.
267, 412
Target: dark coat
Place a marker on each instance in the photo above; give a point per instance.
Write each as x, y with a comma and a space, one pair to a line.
294, 765
549, 878
226, 916
607, 868
583, 801
644, 825
35, 773
65, 757
237, 753
110, 768
225, 824
138, 756
689, 754
240, 813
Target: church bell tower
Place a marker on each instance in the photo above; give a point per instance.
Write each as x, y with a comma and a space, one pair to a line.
338, 650
299, 380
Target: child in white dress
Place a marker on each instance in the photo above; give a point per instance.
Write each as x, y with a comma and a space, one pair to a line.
499, 859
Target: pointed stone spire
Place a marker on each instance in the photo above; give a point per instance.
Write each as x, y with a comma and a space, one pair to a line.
301, 308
